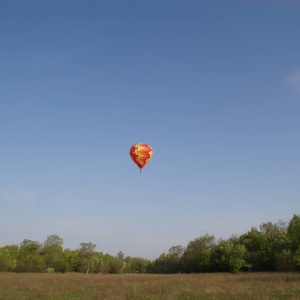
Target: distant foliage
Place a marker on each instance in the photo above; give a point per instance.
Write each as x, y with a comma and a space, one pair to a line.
272, 247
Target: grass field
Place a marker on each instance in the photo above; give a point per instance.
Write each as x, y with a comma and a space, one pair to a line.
149, 287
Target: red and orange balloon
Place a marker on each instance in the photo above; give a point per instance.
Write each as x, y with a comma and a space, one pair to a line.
141, 154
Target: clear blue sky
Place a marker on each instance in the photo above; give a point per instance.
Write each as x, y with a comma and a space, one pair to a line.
212, 86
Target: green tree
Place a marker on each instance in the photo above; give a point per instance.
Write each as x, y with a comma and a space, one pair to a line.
87, 256
53, 253
297, 259
139, 265
98, 262
174, 259
293, 232
270, 229
276, 241
8, 257
5, 260
256, 243
284, 261
168, 263
30, 258
71, 257
121, 261
197, 256
105, 267
121, 255
112, 264
160, 265
230, 255
116, 265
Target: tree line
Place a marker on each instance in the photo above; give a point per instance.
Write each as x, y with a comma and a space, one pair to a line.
271, 247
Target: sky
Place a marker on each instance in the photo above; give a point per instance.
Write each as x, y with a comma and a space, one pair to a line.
212, 86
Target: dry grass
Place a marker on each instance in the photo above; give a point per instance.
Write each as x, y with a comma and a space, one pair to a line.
149, 287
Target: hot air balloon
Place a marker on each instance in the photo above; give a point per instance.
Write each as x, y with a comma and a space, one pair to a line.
141, 154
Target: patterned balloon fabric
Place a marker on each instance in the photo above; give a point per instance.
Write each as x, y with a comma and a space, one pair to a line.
141, 154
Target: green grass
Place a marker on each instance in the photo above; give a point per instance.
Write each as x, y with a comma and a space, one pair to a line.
69, 286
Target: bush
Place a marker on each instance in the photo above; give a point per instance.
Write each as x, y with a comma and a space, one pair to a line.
50, 270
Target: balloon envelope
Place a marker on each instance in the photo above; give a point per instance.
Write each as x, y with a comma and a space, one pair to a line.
141, 154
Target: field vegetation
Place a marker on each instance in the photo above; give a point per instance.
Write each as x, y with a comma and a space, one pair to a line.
273, 247
260, 286
263, 263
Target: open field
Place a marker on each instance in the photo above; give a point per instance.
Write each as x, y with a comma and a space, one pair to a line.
149, 287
